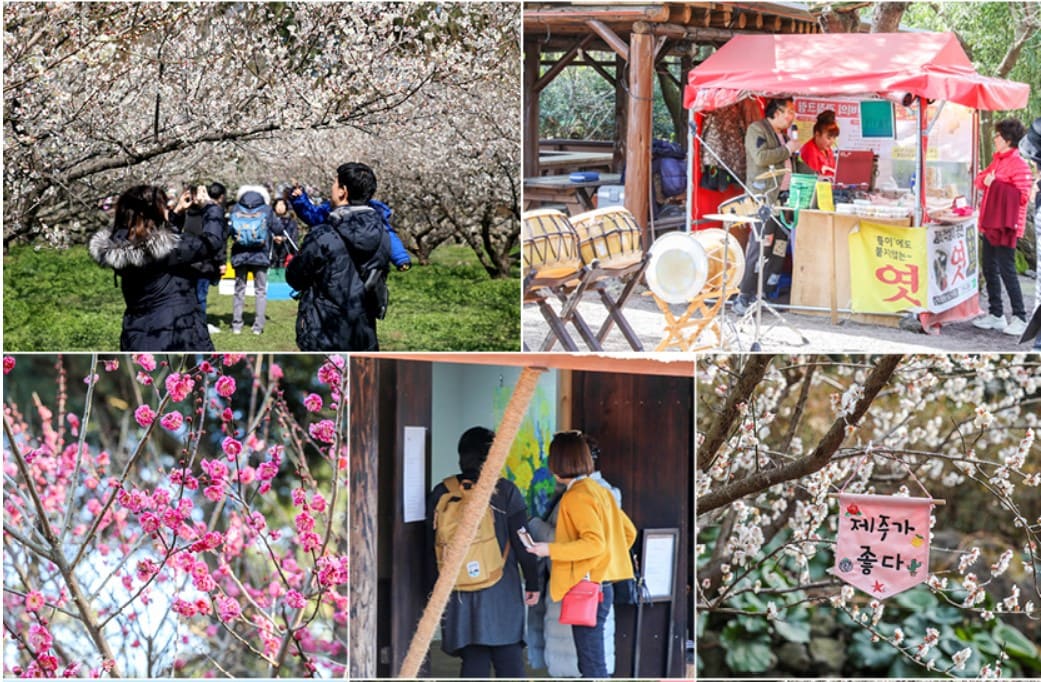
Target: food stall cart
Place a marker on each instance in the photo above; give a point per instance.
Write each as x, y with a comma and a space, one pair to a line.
871, 266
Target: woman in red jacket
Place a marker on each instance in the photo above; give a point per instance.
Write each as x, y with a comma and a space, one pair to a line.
1002, 217
817, 153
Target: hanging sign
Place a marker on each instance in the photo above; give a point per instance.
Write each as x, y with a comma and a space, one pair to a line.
883, 542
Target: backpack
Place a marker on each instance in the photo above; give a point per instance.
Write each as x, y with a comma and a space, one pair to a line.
484, 562
249, 228
373, 273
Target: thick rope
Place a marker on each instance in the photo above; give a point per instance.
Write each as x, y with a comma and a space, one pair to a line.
471, 514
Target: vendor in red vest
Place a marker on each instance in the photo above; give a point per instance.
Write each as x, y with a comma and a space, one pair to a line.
818, 153
1002, 217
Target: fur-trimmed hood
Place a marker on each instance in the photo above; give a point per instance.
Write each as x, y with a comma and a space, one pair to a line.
118, 253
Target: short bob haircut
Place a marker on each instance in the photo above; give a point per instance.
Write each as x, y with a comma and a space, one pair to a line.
474, 445
569, 455
1010, 129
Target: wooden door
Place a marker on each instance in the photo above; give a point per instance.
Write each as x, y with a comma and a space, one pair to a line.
388, 556
645, 427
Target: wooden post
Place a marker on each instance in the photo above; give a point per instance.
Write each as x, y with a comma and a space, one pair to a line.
638, 137
621, 124
471, 514
364, 490
530, 161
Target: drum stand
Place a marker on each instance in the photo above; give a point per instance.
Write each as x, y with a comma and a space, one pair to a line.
755, 310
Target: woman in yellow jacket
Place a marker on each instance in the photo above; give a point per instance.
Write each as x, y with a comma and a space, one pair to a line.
593, 538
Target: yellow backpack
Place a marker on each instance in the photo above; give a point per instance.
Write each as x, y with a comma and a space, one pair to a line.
484, 561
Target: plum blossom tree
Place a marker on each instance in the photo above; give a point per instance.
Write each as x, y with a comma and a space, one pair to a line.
99, 96
778, 435
175, 517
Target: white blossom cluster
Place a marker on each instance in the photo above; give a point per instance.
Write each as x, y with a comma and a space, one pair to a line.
942, 426
99, 96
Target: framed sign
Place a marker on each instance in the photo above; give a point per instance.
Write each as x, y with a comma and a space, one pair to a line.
876, 119
659, 562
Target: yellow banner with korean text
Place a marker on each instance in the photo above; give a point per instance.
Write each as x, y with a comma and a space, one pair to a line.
898, 269
888, 268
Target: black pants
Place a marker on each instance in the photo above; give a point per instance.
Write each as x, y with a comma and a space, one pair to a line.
478, 661
999, 265
776, 240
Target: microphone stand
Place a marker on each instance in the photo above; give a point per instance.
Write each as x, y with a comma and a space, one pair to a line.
763, 214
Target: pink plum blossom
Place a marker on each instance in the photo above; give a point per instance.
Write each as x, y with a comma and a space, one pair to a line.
231, 447
144, 415
145, 361
33, 601
324, 431
225, 386
172, 421
179, 386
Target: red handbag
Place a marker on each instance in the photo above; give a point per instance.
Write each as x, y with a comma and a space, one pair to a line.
580, 604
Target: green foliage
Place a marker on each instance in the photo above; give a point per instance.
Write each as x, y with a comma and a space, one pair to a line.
579, 104
747, 646
986, 30
61, 300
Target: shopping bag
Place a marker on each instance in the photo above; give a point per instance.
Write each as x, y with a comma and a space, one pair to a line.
580, 604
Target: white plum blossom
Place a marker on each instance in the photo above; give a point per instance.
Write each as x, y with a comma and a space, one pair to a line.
960, 658
1002, 563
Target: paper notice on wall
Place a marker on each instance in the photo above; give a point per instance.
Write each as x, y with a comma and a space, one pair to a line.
414, 474
883, 543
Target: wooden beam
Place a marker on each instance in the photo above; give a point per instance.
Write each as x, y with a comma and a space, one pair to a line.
547, 78
570, 15
638, 139
530, 105
609, 37
364, 527
600, 69
679, 365
659, 47
680, 13
692, 33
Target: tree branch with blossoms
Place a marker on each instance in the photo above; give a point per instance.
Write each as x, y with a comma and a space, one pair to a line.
193, 545
961, 423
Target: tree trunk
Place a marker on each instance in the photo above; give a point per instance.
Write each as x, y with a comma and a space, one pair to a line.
840, 22
886, 16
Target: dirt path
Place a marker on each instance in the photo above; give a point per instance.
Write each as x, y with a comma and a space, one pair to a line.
823, 337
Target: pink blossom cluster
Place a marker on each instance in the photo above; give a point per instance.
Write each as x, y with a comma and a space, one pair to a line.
191, 529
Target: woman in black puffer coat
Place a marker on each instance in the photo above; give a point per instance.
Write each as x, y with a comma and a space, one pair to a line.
154, 263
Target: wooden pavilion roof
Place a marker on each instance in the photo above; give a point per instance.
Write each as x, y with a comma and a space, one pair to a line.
557, 26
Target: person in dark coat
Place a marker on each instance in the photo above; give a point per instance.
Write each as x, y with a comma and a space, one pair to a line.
208, 207
284, 234
486, 627
250, 258
336, 311
154, 263
315, 214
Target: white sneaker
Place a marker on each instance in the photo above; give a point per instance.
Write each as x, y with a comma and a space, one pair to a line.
214, 329
1015, 328
990, 322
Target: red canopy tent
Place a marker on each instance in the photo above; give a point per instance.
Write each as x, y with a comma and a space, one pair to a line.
895, 66
891, 65
902, 67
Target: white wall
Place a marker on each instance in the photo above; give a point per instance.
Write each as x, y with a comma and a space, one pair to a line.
465, 396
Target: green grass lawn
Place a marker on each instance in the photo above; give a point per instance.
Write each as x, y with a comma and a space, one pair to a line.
62, 301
